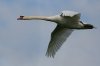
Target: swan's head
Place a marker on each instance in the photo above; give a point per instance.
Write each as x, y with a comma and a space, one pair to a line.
20, 18
24, 18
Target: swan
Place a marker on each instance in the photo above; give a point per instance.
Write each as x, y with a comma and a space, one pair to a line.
67, 22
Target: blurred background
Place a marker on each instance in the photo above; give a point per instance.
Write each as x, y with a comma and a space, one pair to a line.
24, 43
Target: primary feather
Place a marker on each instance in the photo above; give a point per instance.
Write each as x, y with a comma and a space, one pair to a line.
58, 37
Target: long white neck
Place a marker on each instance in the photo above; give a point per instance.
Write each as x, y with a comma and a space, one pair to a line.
34, 18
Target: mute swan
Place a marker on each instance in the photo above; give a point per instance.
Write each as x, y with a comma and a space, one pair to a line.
67, 21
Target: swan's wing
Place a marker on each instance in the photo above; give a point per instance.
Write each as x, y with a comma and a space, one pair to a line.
68, 14
58, 36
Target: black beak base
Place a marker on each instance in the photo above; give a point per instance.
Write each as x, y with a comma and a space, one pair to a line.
20, 18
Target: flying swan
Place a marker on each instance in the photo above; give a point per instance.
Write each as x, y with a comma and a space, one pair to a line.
67, 21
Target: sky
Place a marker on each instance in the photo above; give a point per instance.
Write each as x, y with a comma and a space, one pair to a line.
24, 43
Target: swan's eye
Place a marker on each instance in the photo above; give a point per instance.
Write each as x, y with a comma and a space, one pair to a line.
21, 17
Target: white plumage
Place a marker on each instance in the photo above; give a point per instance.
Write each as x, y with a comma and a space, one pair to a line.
70, 13
67, 21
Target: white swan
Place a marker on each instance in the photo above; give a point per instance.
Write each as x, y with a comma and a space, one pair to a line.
67, 21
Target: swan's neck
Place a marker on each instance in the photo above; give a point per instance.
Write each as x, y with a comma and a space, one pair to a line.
34, 18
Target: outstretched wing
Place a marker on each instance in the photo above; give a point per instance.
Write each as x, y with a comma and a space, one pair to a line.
58, 36
70, 14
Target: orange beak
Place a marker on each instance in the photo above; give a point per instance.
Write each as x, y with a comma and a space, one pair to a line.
20, 18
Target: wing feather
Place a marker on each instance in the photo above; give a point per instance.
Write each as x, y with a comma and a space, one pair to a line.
58, 36
70, 14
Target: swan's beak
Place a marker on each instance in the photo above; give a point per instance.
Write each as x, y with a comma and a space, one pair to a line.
20, 18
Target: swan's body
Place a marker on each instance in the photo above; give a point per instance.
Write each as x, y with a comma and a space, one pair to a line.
67, 21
